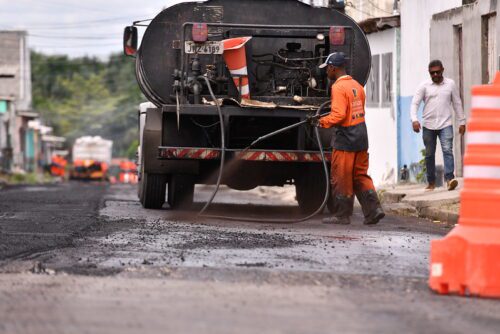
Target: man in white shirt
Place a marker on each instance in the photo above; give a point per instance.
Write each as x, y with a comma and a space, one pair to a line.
441, 99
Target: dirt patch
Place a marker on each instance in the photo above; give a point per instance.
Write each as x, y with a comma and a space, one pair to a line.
213, 239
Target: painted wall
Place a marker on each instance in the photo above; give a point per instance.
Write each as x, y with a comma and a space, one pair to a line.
445, 45
361, 10
15, 85
15, 68
381, 117
416, 18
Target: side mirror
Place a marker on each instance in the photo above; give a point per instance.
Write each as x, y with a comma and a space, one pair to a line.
130, 41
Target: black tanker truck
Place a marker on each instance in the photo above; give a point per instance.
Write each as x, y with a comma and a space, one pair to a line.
259, 60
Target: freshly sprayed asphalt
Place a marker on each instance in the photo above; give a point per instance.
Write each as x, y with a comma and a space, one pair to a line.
91, 259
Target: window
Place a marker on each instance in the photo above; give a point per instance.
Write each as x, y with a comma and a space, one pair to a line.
3, 106
387, 79
373, 84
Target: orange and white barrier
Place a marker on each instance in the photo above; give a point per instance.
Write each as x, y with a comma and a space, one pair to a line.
467, 260
236, 61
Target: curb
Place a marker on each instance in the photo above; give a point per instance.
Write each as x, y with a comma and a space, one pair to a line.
439, 214
396, 202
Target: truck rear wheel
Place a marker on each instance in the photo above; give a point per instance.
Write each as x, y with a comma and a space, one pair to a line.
152, 190
180, 191
310, 189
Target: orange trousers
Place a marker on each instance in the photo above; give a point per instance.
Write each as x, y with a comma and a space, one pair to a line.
349, 173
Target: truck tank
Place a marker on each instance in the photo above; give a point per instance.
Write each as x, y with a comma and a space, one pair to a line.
160, 52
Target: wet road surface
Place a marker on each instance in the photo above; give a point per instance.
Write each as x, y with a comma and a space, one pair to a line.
89, 258
45, 217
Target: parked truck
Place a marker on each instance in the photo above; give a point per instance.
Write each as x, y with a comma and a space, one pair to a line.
91, 158
260, 60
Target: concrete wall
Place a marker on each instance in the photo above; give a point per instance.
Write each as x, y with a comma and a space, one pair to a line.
381, 119
15, 68
416, 18
445, 46
361, 10
15, 86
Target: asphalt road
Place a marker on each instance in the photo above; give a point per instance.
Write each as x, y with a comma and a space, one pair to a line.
86, 258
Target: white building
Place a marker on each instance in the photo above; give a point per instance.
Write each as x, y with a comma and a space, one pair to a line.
381, 102
400, 58
416, 16
361, 10
465, 38
15, 100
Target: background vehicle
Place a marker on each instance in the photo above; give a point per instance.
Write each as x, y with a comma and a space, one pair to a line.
122, 171
187, 50
58, 166
91, 158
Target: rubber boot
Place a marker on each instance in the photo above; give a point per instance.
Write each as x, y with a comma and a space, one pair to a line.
343, 211
370, 204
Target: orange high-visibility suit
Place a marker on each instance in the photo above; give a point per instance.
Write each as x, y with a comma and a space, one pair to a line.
349, 165
58, 166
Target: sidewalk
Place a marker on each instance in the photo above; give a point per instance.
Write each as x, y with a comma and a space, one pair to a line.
411, 200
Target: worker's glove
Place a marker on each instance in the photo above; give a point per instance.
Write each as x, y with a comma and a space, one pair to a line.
313, 120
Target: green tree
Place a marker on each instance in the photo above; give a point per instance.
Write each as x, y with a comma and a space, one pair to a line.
88, 96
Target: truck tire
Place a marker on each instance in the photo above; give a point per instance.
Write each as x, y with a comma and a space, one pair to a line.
310, 189
152, 190
180, 191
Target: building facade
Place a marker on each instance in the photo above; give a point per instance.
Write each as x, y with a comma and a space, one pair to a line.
416, 16
15, 101
400, 58
361, 10
382, 87
465, 39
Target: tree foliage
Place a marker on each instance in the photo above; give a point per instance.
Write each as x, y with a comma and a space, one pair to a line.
88, 96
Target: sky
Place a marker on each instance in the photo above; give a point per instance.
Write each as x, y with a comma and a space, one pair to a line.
77, 28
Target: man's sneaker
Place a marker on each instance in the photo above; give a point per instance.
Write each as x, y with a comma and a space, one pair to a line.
452, 184
430, 187
337, 220
374, 218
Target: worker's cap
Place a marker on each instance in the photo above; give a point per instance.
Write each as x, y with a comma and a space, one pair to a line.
335, 59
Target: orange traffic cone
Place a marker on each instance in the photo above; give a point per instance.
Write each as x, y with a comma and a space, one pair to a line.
467, 260
236, 61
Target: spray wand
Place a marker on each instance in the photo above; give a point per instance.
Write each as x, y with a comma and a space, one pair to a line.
309, 120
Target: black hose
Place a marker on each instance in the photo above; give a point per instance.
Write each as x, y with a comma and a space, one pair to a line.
222, 144
221, 170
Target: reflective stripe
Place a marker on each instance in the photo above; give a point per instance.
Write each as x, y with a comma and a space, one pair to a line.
214, 154
483, 137
485, 102
482, 172
240, 71
245, 90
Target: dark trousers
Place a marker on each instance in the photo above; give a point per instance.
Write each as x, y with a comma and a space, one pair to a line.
446, 139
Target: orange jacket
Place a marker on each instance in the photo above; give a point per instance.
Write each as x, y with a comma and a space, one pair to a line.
347, 115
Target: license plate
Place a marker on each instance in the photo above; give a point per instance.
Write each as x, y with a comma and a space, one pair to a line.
206, 48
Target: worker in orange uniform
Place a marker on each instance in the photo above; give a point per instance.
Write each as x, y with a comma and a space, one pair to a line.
349, 165
58, 166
